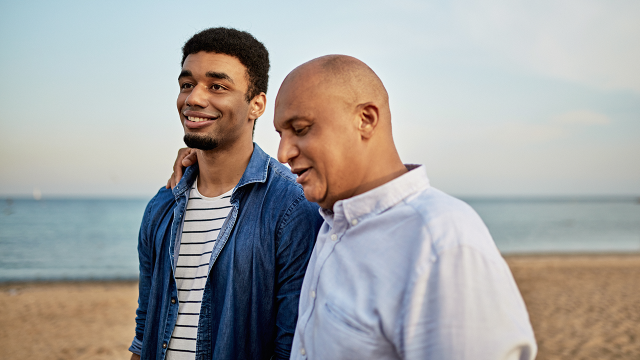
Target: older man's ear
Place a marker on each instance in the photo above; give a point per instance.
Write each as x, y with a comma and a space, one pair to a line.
368, 118
186, 157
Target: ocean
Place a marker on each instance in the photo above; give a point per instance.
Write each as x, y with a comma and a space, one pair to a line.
84, 239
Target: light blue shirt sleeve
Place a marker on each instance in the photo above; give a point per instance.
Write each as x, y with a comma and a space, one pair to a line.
466, 306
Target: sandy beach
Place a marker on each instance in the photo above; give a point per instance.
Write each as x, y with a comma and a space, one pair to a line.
581, 307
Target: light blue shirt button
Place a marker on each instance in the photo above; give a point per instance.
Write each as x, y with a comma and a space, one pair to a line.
302, 352
354, 222
334, 237
313, 294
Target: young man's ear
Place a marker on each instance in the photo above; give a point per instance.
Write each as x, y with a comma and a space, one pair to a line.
368, 117
258, 105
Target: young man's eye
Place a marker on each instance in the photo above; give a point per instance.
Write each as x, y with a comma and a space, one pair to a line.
217, 87
186, 86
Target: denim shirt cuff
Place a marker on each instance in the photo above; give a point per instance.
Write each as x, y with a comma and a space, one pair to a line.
136, 346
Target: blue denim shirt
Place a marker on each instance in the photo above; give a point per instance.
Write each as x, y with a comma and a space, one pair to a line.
250, 302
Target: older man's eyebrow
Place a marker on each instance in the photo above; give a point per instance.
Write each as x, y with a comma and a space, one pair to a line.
294, 118
184, 73
220, 76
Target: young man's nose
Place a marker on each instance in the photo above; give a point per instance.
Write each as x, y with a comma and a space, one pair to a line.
198, 96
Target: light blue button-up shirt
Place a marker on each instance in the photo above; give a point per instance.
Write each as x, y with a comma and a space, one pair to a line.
405, 271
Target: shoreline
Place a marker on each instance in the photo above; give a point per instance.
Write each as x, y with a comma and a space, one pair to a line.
510, 257
581, 306
10, 283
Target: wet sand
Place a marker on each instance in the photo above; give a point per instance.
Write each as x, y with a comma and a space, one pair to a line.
581, 307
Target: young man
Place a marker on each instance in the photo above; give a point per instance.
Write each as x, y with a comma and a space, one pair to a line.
223, 254
400, 270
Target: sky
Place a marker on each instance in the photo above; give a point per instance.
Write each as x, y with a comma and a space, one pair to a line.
495, 97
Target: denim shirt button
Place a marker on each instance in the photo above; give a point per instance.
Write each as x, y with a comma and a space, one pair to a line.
164, 345
173, 300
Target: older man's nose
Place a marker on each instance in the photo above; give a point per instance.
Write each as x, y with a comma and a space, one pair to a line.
286, 150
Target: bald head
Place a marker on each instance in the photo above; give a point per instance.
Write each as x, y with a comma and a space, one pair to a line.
346, 78
333, 117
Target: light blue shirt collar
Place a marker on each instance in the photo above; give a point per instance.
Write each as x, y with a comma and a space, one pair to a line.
377, 200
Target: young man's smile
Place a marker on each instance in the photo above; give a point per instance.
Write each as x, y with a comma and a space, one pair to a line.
198, 120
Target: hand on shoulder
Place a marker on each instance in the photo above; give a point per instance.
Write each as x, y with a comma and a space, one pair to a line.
186, 157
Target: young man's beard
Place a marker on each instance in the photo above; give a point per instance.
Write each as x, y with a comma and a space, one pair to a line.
201, 142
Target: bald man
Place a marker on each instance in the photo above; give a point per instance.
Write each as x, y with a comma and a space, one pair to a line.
400, 270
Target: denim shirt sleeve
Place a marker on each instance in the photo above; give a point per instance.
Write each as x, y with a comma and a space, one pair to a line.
145, 255
296, 236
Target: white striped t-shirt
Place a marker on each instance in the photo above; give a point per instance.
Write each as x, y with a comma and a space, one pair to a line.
202, 222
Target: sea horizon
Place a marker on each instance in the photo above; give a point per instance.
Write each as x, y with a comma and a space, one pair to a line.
489, 197
95, 238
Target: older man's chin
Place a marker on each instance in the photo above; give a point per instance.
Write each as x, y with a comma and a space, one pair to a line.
309, 194
323, 201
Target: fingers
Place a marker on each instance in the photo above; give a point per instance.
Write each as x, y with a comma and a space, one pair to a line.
180, 164
177, 168
186, 157
177, 165
176, 176
173, 181
190, 159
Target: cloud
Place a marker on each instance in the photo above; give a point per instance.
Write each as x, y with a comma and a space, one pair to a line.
582, 117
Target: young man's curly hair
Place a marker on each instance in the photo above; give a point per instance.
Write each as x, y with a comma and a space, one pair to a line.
240, 44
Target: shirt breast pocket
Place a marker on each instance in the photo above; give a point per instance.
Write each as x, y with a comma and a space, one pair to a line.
340, 336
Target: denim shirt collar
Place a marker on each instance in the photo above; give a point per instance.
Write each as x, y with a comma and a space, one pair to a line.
351, 211
256, 171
